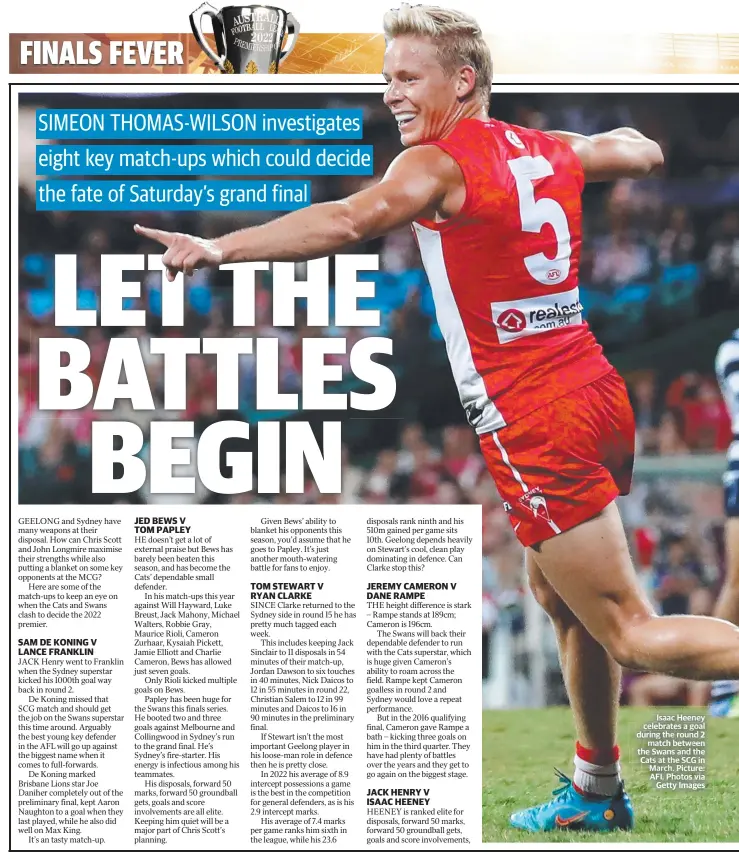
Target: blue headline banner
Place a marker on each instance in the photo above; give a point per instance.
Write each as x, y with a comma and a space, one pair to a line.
222, 160
193, 124
168, 195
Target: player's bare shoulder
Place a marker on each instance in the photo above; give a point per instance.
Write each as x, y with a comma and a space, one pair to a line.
425, 159
430, 164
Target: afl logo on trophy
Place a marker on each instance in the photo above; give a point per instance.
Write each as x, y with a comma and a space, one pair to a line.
248, 38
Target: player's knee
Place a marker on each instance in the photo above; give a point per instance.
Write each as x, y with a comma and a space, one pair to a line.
622, 651
625, 644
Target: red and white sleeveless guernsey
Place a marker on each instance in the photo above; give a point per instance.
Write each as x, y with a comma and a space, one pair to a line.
504, 273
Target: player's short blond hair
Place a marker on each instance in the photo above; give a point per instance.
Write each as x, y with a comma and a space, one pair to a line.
458, 39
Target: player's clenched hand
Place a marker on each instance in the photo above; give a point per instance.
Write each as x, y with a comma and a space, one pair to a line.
184, 253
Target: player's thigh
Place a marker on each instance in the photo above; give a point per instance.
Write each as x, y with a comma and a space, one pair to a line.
544, 593
590, 568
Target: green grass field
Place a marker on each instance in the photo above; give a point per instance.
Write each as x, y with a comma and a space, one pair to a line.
520, 748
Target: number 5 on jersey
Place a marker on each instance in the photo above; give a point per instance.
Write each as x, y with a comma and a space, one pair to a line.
536, 213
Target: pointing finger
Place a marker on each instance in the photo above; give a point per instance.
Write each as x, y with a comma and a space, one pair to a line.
161, 236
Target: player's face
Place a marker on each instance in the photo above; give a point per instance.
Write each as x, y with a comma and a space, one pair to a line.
420, 94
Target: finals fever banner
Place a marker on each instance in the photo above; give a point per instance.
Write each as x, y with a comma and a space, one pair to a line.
268, 40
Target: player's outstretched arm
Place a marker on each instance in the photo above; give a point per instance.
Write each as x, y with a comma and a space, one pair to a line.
621, 153
419, 180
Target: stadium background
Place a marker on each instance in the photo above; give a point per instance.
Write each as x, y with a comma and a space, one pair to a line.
660, 287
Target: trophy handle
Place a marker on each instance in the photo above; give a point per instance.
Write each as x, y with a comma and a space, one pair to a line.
196, 21
293, 31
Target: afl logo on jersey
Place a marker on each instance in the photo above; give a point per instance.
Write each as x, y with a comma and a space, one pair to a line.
512, 320
553, 274
513, 138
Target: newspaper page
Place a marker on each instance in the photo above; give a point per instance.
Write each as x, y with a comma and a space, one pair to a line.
373, 427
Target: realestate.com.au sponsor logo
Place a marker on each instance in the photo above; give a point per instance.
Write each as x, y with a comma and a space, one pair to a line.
528, 316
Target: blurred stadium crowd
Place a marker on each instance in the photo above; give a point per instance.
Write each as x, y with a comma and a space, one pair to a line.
659, 257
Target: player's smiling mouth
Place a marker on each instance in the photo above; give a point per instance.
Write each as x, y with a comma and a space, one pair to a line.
404, 119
